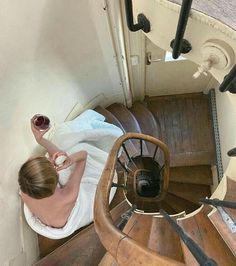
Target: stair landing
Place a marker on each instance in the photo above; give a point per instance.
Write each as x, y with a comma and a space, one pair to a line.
186, 127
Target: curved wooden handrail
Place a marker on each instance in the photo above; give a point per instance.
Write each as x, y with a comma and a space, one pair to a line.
124, 249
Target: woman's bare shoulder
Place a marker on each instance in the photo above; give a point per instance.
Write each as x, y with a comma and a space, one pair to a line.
64, 196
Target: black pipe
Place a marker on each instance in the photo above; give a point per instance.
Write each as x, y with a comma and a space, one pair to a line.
179, 44
143, 22
229, 82
219, 203
197, 252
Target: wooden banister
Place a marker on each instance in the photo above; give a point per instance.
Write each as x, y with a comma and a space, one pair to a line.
124, 249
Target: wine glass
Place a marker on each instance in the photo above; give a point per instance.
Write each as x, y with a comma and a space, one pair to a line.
41, 122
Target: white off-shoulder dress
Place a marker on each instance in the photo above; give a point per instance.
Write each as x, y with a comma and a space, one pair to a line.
87, 132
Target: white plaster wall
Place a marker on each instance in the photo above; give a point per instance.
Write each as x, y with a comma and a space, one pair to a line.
53, 56
226, 114
166, 77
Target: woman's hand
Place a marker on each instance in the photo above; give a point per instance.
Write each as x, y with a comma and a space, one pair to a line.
37, 133
67, 161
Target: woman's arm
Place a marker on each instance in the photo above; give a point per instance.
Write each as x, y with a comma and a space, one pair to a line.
71, 189
48, 145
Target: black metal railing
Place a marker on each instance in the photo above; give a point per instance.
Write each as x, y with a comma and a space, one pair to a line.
179, 44
125, 217
219, 203
197, 252
118, 185
229, 82
143, 22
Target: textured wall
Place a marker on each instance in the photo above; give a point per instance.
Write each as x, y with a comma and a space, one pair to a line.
52, 57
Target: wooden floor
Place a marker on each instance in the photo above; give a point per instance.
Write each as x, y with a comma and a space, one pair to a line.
186, 127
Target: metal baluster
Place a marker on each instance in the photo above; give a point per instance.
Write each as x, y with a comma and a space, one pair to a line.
118, 185
141, 148
123, 166
179, 44
229, 82
126, 152
155, 152
125, 217
197, 252
220, 203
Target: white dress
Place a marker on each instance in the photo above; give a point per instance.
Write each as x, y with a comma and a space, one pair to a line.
86, 132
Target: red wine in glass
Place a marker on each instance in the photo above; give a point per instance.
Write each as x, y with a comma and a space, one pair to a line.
41, 122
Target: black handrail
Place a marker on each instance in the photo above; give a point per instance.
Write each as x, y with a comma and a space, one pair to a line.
220, 203
143, 22
232, 152
229, 82
179, 44
197, 252
125, 217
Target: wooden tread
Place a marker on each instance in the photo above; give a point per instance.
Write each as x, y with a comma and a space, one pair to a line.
108, 260
201, 230
197, 174
190, 192
216, 219
84, 248
224, 231
110, 118
125, 117
186, 127
128, 121
164, 240
179, 204
147, 123
138, 228
191, 158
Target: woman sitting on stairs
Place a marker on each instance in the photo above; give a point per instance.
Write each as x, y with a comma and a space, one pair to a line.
59, 196
39, 182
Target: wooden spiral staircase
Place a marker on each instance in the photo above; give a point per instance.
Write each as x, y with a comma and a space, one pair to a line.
147, 238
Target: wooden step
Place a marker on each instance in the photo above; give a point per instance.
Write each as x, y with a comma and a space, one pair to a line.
84, 248
125, 117
217, 221
179, 204
164, 240
147, 123
190, 192
138, 228
223, 230
110, 118
146, 120
128, 121
201, 230
198, 174
186, 127
191, 158
108, 260
167, 207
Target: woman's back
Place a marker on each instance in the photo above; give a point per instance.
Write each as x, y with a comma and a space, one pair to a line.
52, 211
